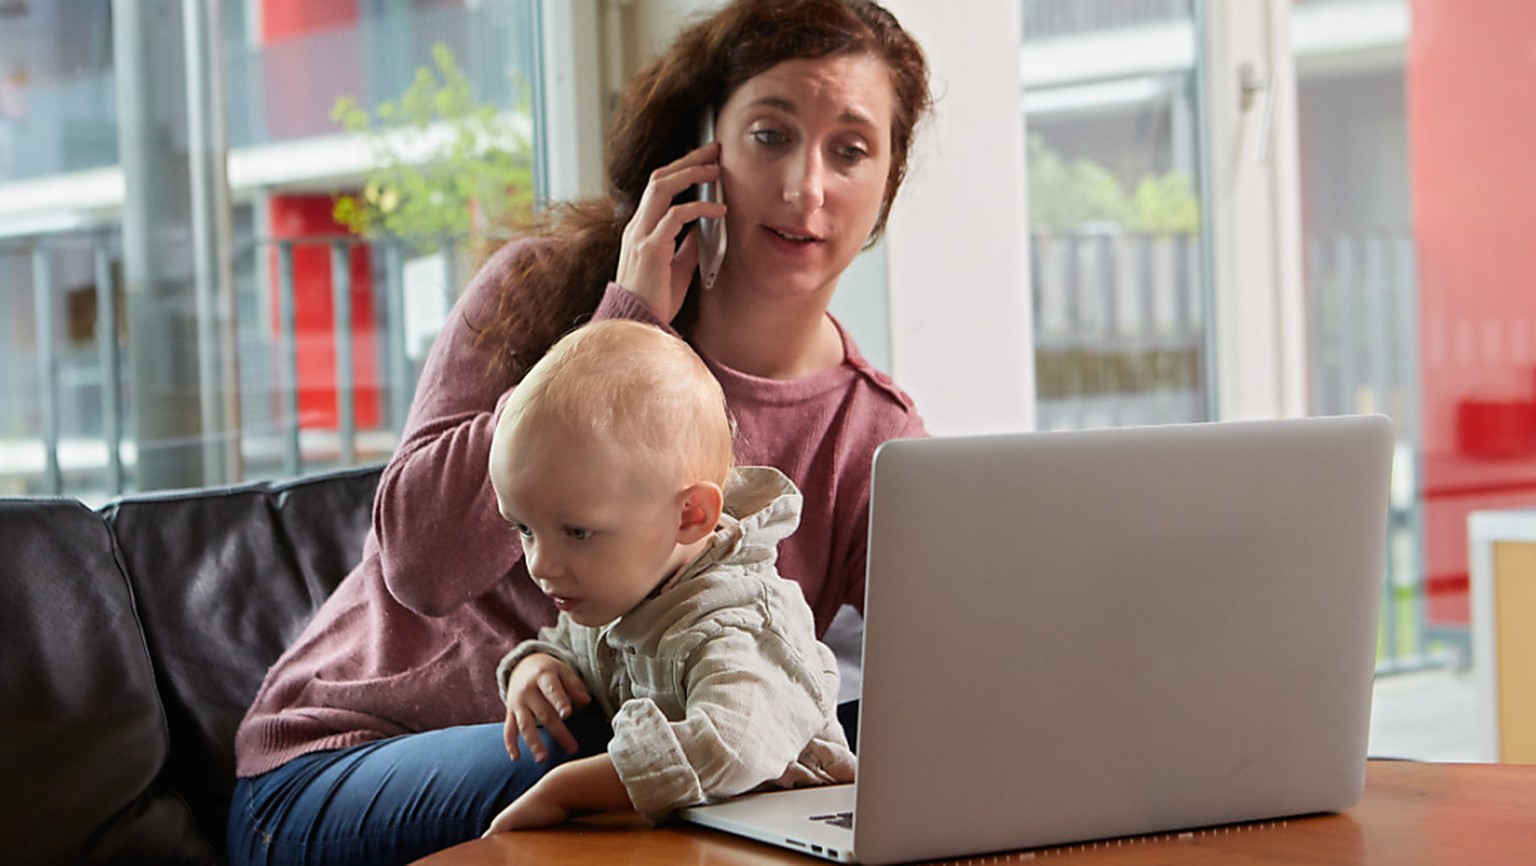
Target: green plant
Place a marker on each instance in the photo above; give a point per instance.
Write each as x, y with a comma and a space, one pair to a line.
443, 165
1167, 204
1069, 195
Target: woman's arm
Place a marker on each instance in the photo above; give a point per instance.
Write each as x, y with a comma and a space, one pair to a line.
855, 568
441, 540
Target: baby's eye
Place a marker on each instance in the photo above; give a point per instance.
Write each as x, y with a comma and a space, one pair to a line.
577, 533
523, 530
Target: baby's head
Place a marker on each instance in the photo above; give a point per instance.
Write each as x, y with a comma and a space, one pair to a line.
609, 460
635, 386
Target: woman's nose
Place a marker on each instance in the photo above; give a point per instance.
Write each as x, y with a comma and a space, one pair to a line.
805, 184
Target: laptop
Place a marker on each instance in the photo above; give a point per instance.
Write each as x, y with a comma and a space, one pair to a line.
1076, 636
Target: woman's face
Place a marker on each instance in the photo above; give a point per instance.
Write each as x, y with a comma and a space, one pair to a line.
805, 152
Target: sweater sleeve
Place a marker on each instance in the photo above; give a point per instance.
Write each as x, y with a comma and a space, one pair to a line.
856, 567
620, 303
552, 640
753, 705
441, 540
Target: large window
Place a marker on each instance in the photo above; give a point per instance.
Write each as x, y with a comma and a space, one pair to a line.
1111, 111
127, 365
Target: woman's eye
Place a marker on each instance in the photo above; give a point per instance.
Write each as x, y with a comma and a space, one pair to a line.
852, 152
769, 137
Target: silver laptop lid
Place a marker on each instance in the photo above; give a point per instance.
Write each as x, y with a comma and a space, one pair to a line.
1073, 636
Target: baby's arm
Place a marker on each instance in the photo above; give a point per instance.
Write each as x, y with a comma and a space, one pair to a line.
584, 785
754, 703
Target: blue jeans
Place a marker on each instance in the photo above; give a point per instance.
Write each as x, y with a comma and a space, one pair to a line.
391, 801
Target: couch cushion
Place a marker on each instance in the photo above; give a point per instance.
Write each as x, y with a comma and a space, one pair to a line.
82, 735
225, 580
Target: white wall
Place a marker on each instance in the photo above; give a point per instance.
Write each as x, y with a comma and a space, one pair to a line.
958, 247
574, 105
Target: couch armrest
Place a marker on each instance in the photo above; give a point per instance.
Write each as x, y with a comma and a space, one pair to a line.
225, 579
82, 733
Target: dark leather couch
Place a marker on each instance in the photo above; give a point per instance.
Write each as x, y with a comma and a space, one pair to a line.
134, 637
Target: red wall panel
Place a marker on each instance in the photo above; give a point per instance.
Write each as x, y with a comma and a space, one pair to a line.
1471, 91
301, 216
281, 19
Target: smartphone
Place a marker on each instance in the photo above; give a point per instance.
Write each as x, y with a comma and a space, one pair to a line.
711, 230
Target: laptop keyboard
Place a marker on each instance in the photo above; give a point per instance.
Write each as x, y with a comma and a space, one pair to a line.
836, 819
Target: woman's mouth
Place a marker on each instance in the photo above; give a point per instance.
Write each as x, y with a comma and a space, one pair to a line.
793, 237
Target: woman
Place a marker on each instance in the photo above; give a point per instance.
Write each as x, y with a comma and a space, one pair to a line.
378, 736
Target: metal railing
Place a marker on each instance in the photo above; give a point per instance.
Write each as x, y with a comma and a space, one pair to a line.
1118, 329
69, 395
1119, 337
1362, 357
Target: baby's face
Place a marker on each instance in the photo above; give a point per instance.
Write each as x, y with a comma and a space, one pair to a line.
599, 531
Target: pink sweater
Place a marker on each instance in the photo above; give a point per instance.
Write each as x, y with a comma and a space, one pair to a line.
410, 639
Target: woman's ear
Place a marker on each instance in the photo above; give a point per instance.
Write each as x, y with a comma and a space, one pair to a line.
700, 514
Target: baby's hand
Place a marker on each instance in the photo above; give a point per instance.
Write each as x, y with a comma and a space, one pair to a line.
542, 691
589, 784
529, 812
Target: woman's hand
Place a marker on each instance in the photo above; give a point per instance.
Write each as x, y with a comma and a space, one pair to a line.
542, 691
651, 263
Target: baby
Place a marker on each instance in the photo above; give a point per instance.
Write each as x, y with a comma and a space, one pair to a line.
612, 462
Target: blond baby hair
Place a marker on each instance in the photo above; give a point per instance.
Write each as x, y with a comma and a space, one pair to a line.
639, 386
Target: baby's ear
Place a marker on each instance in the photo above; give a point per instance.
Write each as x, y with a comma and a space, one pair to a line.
702, 502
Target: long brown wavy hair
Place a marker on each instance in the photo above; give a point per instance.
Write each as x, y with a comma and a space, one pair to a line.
545, 294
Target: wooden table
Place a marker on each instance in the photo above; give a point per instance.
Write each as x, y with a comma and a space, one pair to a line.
1411, 814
